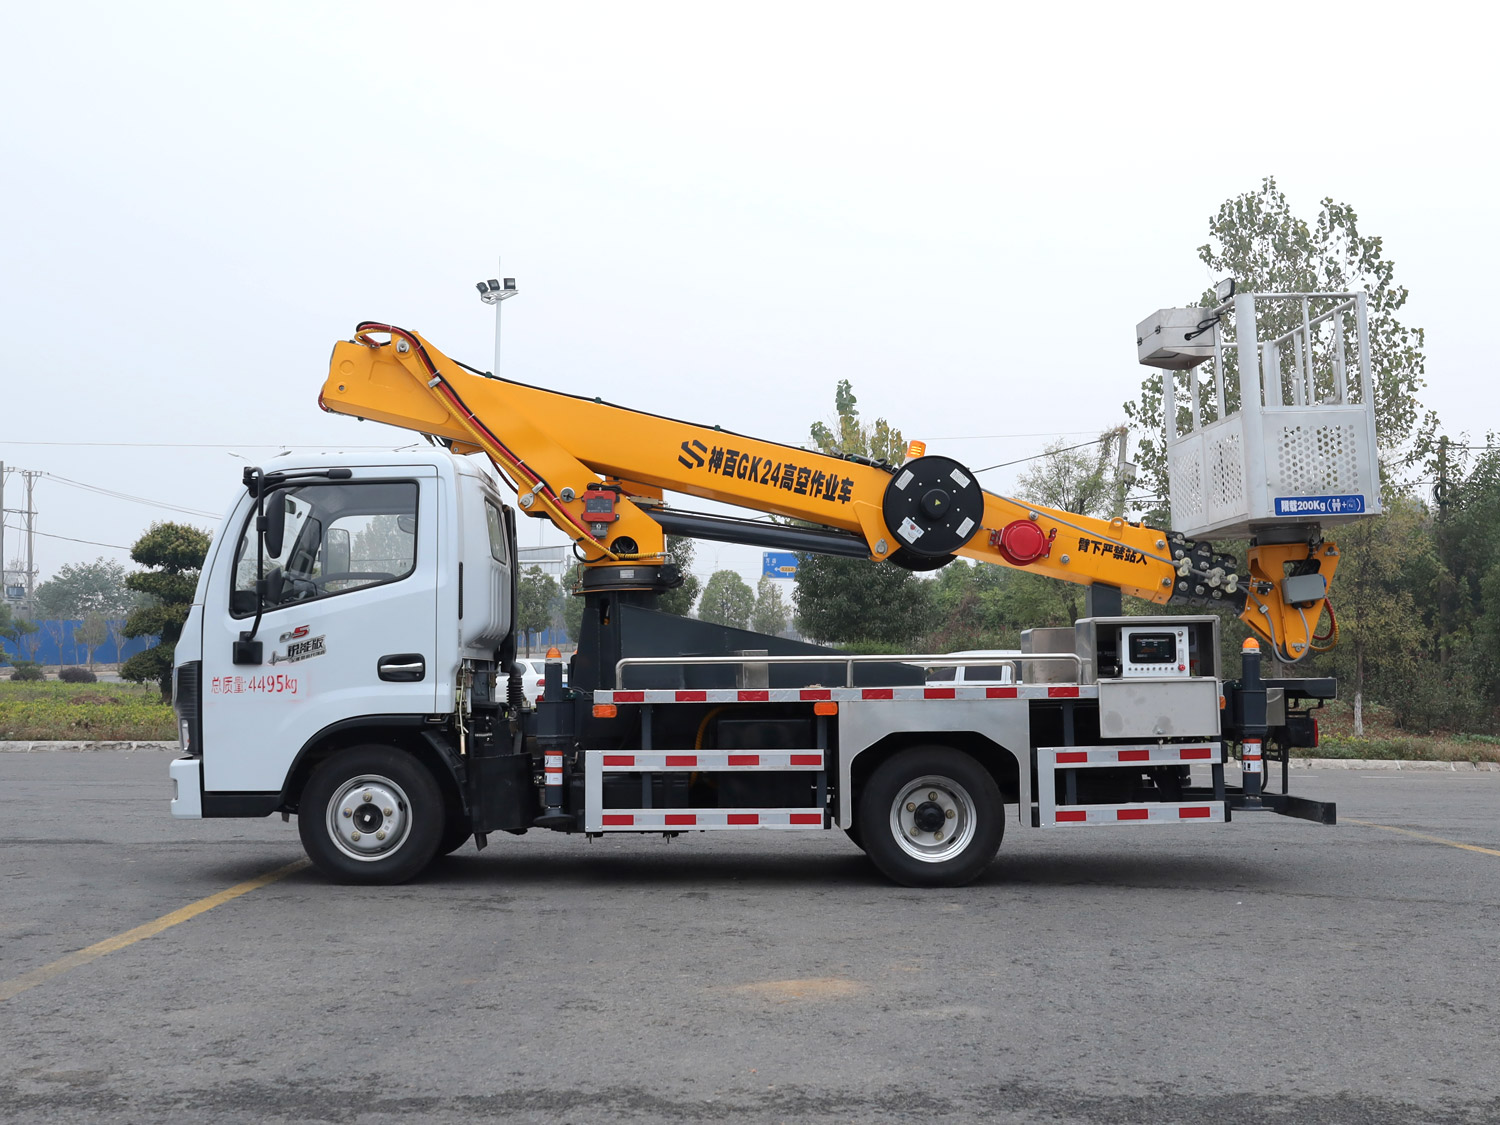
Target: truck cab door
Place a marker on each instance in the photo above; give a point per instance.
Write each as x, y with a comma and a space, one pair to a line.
349, 625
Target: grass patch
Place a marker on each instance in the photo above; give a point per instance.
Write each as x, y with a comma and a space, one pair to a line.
1383, 740
1407, 748
48, 712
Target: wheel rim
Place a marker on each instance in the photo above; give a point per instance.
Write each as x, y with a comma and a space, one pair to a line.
933, 818
369, 817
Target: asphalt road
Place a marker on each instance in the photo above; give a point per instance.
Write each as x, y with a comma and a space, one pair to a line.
1265, 971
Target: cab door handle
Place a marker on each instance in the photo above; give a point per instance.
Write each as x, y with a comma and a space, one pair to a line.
402, 667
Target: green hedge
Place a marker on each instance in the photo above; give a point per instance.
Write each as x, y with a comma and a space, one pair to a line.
31, 712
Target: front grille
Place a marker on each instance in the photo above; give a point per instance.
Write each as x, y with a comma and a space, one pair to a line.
187, 701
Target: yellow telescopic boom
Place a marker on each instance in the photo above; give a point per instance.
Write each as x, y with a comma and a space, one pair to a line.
599, 472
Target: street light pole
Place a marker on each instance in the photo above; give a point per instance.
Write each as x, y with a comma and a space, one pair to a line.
493, 292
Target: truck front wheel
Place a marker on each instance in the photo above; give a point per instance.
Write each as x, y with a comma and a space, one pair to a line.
371, 814
931, 817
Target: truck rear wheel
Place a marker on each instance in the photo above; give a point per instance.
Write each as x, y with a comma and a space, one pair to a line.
931, 817
371, 814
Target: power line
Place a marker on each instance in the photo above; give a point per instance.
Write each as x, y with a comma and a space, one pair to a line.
1047, 453
133, 499
69, 538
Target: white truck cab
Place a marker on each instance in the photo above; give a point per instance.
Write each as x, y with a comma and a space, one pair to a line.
394, 569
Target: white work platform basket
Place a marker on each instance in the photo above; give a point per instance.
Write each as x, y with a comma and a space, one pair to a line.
1294, 441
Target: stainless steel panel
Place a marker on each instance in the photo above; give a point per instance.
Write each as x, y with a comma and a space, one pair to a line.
1159, 708
1048, 671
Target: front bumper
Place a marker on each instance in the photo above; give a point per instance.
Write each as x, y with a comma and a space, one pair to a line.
187, 788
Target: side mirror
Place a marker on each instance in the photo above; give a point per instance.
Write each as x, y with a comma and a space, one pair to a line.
336, 552
275, 525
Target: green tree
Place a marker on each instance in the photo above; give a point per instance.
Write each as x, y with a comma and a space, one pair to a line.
847, 436
1256, 239
770, 614
1383, 564
727, 600
13, 629
536, 602
76, 591
1462, 609
860, 603
175, 554
91, 632
1084, 479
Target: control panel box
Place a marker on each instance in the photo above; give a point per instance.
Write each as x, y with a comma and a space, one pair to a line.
1154, 652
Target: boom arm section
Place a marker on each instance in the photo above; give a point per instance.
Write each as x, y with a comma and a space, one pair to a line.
598, 471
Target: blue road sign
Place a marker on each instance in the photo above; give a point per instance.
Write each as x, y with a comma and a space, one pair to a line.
778, 564
1319, 505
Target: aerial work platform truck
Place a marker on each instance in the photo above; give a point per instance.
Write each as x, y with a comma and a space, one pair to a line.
350, 655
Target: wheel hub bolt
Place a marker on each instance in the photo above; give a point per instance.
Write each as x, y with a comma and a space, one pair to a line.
381, 834
931, 795
354, 835
938, 835
911, 806
949, 814
915, 831
348, 812
387, 811
369, 796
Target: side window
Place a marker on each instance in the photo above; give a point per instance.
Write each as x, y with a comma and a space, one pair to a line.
496, 523
338, 538
988, 673
942, 675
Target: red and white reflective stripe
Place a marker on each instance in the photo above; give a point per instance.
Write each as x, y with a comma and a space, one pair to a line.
1250, 760
1164, 813
638, 819
640, 761
1168, 754
553, 763
912, 693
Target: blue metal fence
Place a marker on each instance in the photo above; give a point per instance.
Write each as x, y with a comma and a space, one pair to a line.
55, 645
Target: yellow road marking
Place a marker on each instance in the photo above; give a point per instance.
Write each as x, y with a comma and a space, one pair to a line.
21, 983
1421, 836
813, 988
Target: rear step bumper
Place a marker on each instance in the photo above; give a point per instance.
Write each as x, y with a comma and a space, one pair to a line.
1214, 805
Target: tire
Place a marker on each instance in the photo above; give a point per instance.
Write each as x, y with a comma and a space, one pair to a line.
854, 838
371, 814
931, 817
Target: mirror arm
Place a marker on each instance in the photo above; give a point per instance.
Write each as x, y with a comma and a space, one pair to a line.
248, 650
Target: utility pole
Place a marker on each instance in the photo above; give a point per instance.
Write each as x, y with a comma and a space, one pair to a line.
30, 475
4, 587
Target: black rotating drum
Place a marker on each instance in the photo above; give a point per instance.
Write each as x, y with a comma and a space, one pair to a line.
932, 507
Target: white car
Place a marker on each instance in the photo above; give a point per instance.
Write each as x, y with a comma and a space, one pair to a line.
989, 666
534, 677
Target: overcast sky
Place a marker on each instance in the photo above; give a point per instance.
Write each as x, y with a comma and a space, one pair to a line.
714, 211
